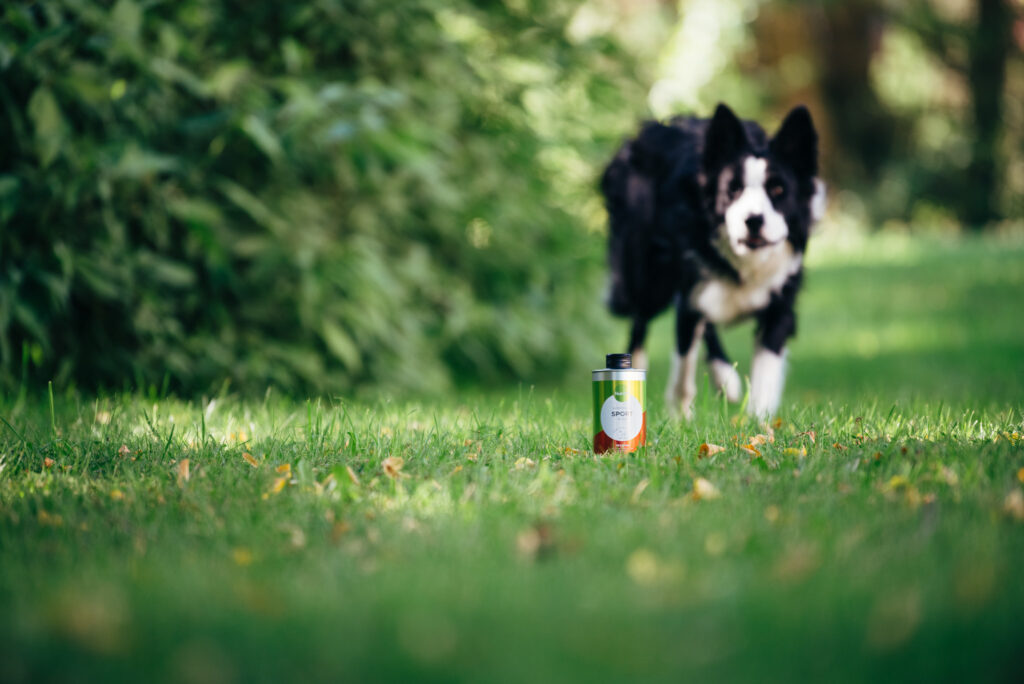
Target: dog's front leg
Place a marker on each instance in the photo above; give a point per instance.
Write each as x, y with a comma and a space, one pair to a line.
682, 380
768, 369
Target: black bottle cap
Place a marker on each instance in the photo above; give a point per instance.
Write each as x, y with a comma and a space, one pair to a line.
618, 361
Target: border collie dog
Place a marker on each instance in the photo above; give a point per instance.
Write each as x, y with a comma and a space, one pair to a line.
713, 217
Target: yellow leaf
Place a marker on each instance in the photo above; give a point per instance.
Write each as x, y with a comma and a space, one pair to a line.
642, 567
522, 463
705, 450
183, 471
117, 495
799, 453
242, 556
393, 466
250, 459
1020, 474
284, 468
897, 481
456, 469
702, 489
638, 490
48, 462
278, 485
751, 449
839, 446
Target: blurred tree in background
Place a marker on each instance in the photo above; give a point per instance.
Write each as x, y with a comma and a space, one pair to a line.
332, 195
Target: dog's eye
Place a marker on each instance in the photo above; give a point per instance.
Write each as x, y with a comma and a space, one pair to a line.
776, 189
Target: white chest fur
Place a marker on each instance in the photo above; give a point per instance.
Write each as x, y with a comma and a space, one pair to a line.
762, 272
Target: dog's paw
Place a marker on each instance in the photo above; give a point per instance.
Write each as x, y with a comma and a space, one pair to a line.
679, 404
727, 379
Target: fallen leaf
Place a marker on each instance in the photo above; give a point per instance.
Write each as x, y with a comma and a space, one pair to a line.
777, 424
758, 440
897, 481
751, 449
703, 489
570, 450
250, 459
638, 490
799, 453
183, 471
48, 462
50, 519
642, 567
522, 463
124, 450
284, 468
393, 466
117, 495
242, 556
706, 450
1020, 475
456, 469
715, 544
339, 530
840, 447
278, 485
352, 475
536, 542
1013, 505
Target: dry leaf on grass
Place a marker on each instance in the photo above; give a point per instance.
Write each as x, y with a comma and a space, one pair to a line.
278, 485
1013, 505
124, 450
184, 472
48, 462
703, 489
705, 450
1020, 475
242, 556
638, 490
284, 468
250, 459
352, 475
751, 449
392, 466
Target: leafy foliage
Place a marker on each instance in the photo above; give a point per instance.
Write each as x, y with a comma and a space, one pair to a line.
316, 195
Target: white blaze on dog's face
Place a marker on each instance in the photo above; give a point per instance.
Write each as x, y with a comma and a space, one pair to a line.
751, 220
764, 195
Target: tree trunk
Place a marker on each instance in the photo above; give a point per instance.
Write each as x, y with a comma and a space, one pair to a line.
988, 50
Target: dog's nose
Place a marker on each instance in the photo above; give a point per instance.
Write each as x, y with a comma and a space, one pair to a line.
754, 223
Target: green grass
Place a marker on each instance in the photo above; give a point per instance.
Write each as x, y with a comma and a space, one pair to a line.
504, 551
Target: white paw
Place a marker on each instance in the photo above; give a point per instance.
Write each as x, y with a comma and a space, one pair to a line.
639, 358
727, 379
767, 375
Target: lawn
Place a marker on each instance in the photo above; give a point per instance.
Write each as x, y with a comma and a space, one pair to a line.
875, 530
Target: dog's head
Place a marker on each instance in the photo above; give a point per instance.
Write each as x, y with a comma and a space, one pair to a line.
761, 196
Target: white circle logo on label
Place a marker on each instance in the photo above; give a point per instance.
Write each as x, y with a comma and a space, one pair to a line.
622, 420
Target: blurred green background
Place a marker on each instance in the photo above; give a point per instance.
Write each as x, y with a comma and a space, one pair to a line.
361, 197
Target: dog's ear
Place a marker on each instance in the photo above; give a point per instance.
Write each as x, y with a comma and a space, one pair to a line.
796, 142
724, 140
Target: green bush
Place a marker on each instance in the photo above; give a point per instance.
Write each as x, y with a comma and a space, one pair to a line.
321, 196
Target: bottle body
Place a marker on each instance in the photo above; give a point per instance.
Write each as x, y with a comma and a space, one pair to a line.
620, 411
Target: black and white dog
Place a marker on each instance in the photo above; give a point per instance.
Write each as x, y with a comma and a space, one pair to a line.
713, 217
